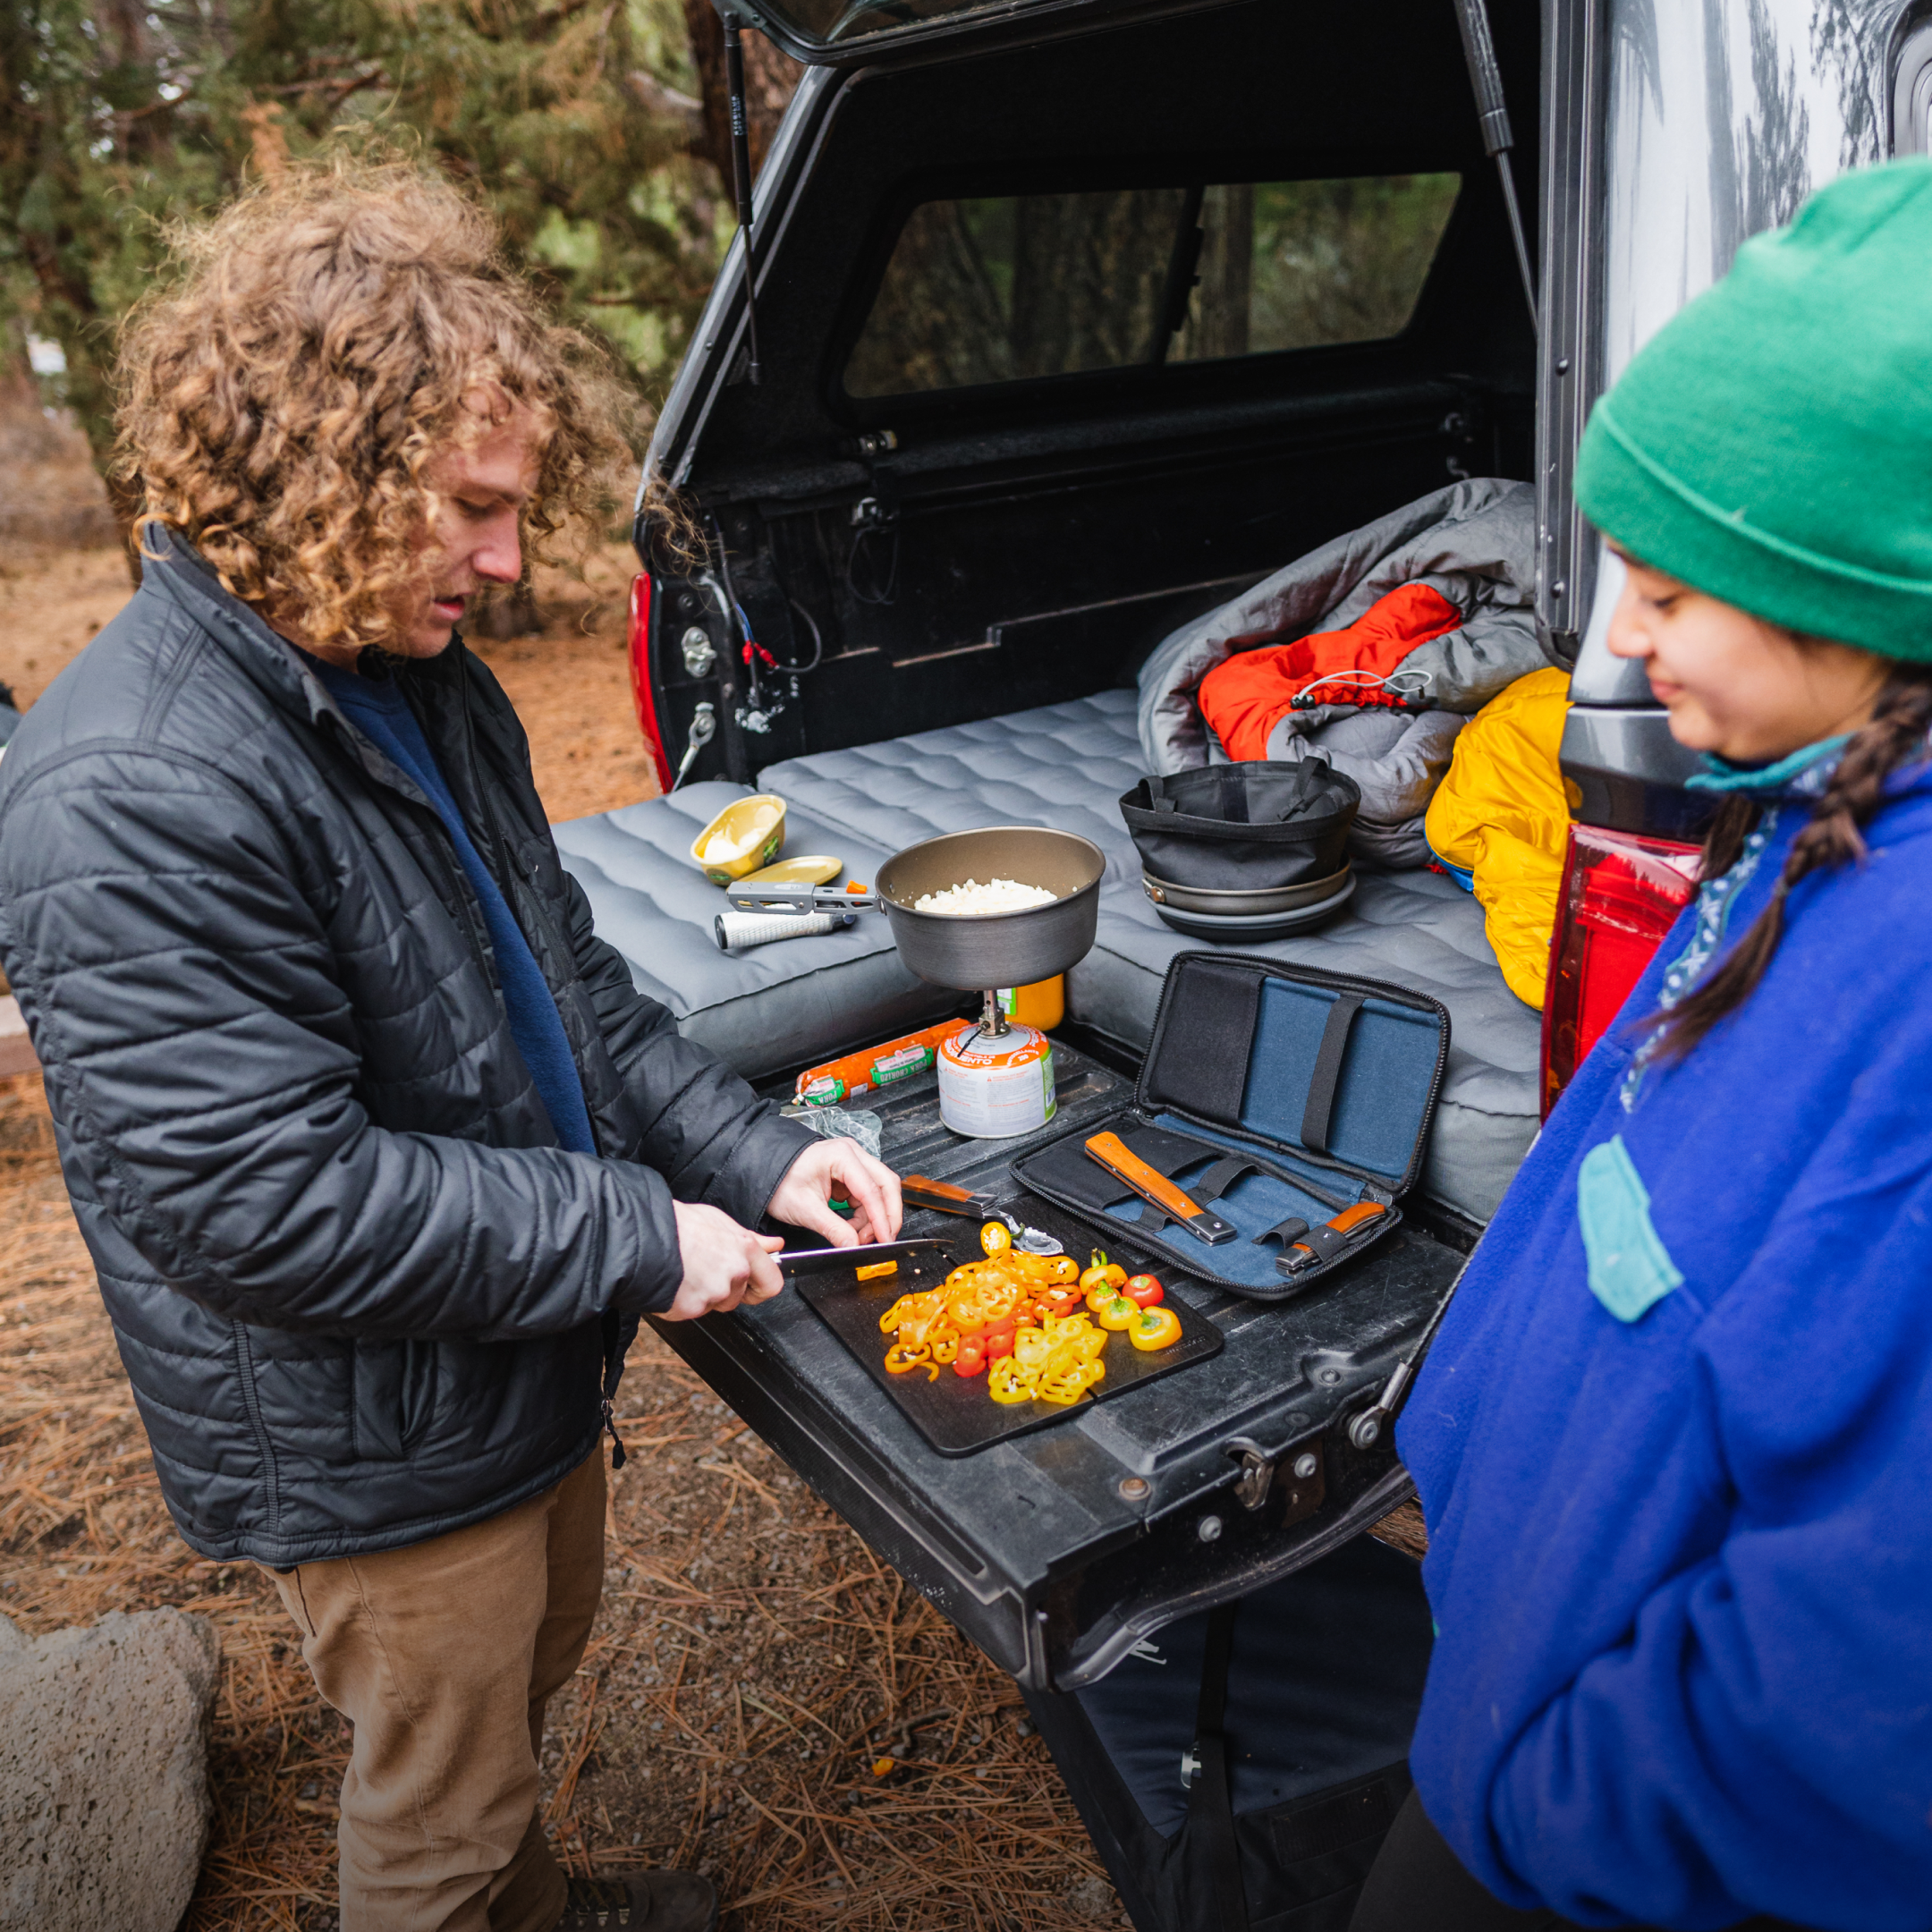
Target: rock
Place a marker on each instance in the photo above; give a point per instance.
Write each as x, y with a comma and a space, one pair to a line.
104, 1786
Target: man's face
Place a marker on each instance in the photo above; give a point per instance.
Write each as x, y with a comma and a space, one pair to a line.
474, 537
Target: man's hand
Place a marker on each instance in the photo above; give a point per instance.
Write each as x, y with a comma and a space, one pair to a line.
844, 1168
724, 1263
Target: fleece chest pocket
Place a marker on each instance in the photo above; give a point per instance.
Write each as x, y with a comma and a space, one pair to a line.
1630, 1267
395, 1384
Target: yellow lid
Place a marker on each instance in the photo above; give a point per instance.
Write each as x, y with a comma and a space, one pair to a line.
809, 868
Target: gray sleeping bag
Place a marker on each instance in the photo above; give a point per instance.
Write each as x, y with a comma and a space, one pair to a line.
1475, 544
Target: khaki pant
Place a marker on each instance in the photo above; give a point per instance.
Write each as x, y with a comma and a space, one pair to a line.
442, 1656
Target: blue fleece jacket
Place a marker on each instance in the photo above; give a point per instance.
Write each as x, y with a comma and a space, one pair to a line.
1677, 1476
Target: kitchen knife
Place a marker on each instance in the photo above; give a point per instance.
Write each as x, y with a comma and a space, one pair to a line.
1123, 1164
799, 1261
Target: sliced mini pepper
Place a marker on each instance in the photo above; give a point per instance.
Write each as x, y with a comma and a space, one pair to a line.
1143, 1291
1154, 1328
971, 1359
995, 1237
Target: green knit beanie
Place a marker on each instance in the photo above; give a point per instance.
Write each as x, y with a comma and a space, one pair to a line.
1771, 445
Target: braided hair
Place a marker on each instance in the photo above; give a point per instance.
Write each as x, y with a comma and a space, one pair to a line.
1833, 835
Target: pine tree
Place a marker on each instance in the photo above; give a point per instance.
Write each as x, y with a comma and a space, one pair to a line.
580, 121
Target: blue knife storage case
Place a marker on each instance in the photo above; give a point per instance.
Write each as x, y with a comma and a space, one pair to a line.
1274, 1095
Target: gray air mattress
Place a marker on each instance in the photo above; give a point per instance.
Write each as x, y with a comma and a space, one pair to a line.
1065, 766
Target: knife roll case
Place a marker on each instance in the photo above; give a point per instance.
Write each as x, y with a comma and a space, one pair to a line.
1276, 1095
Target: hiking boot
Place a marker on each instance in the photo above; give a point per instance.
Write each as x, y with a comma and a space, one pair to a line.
640, 1901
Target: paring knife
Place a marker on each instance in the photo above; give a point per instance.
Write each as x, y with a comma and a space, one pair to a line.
1123, 1164
798, 1261
919, 1190
942, 1197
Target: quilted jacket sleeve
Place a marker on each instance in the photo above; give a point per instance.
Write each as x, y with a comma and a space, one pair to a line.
705, 1130
179, 990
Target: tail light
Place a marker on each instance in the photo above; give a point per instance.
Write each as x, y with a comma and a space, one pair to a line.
1621, 895
640, 679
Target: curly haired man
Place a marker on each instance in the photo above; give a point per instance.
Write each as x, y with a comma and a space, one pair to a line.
379, 1155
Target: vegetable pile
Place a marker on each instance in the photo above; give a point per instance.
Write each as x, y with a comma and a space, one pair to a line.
1035, 1325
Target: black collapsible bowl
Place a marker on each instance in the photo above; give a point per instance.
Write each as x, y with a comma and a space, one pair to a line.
1242, 918
974, 951
1264, 825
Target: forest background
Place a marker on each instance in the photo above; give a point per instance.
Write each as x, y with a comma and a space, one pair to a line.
596, 130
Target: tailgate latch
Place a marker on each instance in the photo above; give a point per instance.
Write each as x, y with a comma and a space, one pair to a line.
1257, 1473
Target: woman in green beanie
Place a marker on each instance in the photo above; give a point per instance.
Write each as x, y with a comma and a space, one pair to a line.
1672, 1442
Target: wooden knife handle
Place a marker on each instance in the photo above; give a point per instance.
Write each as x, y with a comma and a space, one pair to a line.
1118, 1158
920, 1191
942, 1189
1353, 1217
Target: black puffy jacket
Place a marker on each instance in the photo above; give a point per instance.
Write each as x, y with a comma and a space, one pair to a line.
362, 1295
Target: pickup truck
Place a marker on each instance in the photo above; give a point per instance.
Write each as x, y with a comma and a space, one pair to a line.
1073, 318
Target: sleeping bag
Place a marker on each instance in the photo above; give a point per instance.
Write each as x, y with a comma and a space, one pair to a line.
1461, 558
1245, 698
1501, 824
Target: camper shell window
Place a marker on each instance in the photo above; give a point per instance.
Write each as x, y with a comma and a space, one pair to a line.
1015, 288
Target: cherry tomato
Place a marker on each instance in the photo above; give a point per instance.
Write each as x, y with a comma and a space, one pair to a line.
1154, 1328
995, 1237
1117, 1315
1143, 1291
971, 1359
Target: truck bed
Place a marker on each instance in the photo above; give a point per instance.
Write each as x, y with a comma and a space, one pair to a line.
1062, 765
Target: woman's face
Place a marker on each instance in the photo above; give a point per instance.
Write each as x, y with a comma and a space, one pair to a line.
1732, 683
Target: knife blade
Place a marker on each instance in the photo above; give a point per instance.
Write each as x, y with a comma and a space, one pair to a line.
1123, 1164
798, 1261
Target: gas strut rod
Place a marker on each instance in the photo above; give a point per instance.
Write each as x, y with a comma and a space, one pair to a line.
741, 160
1486, 77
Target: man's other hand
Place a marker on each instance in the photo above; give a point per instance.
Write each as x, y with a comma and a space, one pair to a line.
842, 1168
724, 1263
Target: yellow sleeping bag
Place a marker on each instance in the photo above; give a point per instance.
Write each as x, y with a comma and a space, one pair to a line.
1500, 817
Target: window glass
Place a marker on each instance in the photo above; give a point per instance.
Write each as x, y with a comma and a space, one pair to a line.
1006, 288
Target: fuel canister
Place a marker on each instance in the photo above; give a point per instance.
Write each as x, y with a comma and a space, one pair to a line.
996, 1086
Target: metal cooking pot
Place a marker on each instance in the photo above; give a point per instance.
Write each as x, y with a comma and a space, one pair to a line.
976, 951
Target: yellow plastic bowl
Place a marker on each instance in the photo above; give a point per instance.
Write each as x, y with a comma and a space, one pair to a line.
748, 835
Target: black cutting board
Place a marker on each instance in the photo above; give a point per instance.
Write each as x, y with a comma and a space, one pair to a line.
955, 1413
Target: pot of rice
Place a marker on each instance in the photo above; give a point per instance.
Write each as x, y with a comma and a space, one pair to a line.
1003, 906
